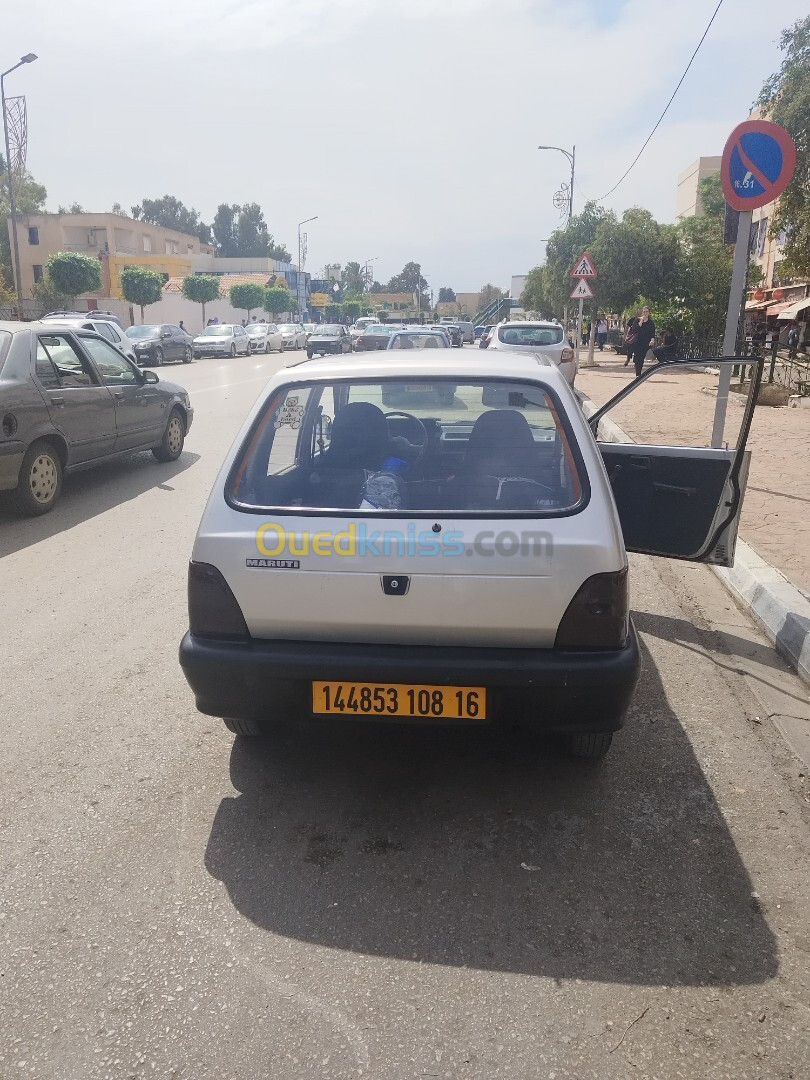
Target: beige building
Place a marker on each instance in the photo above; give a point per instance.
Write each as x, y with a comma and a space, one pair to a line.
687, 198
115, 240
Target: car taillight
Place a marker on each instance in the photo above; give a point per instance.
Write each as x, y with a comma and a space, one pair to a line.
213, 610
598, 617
566, 354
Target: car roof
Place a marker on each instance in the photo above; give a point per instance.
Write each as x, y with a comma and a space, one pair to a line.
536, 324
45, 326
418, 363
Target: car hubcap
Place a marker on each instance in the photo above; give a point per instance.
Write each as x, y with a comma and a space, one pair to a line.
175, 436
42, 478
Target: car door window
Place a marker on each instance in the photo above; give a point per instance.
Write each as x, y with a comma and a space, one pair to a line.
114, 369
106, 331
57, 355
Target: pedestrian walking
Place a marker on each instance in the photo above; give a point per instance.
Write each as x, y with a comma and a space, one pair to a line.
601, 332
183, 327
793, 342
638, 339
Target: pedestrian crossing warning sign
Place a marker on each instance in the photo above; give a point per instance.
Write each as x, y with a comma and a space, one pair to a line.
585, 267
583, 291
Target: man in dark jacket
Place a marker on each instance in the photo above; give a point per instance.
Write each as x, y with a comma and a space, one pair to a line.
639, 337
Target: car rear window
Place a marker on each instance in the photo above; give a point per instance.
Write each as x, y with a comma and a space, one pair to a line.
480, 447
530, 335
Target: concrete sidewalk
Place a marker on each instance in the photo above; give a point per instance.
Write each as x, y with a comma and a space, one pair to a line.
776, 513
771, 577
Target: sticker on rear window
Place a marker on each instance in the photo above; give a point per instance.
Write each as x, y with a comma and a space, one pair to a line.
290, 413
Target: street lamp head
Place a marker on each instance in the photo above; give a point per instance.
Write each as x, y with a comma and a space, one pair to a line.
29, 58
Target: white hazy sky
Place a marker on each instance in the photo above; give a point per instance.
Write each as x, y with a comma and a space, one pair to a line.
408, 126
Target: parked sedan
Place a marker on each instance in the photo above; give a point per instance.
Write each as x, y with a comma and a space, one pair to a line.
221, 339
264, 337
331, 338
70, 400
504, 597
294, 334
452, 332
156, 343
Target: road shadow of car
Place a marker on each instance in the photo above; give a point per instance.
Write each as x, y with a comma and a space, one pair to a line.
471, 849
87, 494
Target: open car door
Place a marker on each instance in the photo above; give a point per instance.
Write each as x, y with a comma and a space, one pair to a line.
681, 502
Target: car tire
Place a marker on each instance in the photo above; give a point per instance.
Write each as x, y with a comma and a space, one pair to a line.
248, 729
197, 355
40, 480
309, 354
158, 361
233, 351
174, 437
267, 346
592, 746
187, 355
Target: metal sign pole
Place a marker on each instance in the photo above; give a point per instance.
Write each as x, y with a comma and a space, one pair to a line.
579, 326
735, 300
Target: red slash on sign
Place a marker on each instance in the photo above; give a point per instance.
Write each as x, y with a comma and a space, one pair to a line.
758, 164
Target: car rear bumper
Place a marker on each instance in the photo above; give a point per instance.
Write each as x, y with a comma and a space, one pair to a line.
547, 689
11, 458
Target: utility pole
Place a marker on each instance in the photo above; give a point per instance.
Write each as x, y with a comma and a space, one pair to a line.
29, 58
560, 198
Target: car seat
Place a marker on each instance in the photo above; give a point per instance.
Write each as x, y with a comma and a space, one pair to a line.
502, 465
510, 337
431, 343
360, 442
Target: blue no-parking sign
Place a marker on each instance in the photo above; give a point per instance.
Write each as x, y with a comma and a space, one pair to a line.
758, 163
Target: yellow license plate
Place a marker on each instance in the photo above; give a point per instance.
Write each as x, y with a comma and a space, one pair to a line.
400, 699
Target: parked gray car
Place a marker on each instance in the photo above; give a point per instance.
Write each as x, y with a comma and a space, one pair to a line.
70, 400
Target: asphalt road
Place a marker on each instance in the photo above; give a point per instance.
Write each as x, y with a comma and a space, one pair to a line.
367, 903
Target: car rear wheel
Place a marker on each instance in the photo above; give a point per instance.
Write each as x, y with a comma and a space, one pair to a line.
158, 357
171, 445
249, 729
187, 355
590, 745
267, 346
233, 350
40, 480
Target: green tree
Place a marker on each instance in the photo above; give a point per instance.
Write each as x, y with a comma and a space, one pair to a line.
564, 247
410, 280
242, 231
73, 273
74, 208
29, 197
277, 300
49, 297
141, 286
353, 278
170, 213
785, 98
533, 297
711, 197
201, 289
446, 295
352, 309
703, 276
634, 256
249, 295
334, 312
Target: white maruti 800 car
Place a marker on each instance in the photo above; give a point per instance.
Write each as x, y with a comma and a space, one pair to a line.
444, 558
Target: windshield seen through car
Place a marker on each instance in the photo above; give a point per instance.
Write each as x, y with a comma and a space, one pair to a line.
217, 331
141, 333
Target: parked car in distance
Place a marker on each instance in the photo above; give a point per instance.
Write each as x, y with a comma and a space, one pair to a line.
105, 316
111, 331
479, 332
221, 339
331, 338
544, 338
69, 400
465, 326
526, 620
156, 343
294, 335
358, 327
264, 337
375, 336
309, 328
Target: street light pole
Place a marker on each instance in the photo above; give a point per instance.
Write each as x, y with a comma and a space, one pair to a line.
300, 260
368, 263
29, 58
572, 157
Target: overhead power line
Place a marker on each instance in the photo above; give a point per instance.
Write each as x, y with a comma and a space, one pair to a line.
666, 109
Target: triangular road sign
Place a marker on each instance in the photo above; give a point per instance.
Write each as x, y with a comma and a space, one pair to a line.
583, 291
585, 267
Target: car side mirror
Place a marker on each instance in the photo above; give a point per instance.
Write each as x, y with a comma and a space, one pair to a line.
150, 377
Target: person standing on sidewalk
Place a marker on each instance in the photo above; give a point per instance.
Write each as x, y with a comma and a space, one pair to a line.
601, 332
793, 342
638, 339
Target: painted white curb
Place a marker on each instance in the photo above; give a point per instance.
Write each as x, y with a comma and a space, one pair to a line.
780, 608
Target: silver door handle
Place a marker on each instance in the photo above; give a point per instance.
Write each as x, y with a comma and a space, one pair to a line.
57, 401
119, 394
